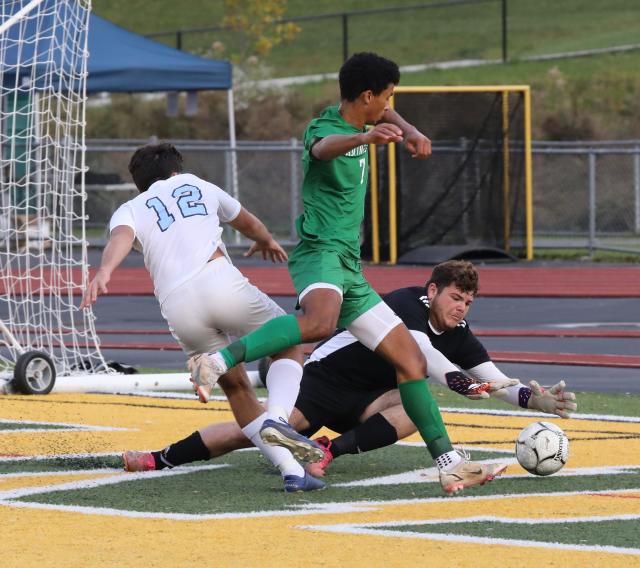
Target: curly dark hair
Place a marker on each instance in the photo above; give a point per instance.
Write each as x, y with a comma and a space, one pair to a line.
154, 162
364, 72
459, 272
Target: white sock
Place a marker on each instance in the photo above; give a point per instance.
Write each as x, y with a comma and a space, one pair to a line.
280, 457
283, 385
218, 359
448, 461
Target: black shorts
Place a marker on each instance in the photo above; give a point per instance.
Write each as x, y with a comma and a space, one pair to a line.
326, 399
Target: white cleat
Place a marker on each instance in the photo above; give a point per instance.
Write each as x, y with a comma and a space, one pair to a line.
205, 372
469, 473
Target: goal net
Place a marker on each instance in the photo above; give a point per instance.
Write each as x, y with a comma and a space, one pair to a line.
43, 256
475, 189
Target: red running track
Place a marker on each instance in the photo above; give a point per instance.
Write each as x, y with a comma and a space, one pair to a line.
521, 281
602, 282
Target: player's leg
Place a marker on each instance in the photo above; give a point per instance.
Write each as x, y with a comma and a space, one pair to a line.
375, 421
318, 278
250, 416
251, 310
381, 330
219, 299
210, 442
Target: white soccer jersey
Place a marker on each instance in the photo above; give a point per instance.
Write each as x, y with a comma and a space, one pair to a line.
177, 223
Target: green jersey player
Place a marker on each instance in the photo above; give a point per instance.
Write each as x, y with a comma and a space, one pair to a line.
326, 270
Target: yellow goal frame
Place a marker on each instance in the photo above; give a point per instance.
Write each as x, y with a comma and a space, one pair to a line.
391, 157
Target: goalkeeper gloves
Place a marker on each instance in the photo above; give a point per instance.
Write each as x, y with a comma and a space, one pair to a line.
476, 390
554, 400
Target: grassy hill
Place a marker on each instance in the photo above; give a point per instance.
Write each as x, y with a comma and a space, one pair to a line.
593, 97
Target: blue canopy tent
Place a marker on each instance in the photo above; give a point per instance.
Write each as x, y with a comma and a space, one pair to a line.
122, 61
119, 60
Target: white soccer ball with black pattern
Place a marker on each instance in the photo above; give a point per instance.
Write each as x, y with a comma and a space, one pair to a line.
542, 448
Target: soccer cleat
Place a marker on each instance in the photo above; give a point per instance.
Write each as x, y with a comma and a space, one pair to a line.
138, 461
205, 372
282, 434
317, 469
467, 474
296, 483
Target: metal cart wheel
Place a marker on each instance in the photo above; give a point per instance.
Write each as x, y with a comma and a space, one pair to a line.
34, 373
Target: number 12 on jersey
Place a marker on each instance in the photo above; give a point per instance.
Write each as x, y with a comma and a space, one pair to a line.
188, 199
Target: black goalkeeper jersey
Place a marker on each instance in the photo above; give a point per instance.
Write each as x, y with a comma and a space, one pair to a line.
343, 356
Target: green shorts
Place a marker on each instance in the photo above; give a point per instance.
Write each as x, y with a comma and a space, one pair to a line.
309, 265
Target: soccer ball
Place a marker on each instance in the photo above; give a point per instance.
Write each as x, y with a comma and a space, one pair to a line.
542, 448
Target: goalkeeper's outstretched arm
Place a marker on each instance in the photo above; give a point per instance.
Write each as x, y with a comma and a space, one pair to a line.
486, 380
554, 400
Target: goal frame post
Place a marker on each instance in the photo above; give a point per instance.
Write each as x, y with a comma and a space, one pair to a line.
505, 90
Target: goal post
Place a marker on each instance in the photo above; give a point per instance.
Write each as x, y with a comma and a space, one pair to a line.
43, 249
475, 191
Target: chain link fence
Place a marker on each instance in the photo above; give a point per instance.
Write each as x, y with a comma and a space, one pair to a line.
585, 194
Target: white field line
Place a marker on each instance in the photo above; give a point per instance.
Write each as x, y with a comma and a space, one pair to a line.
58, 457
430, 475
372, 529
59, 426
119, 477
7, 498
296, 509
104, 470
489, 449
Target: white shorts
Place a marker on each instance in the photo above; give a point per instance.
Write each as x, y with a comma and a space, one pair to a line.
217, 303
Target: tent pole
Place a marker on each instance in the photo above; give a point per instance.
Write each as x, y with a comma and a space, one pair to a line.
234, 159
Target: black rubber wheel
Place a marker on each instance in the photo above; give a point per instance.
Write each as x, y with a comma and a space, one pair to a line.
34, 373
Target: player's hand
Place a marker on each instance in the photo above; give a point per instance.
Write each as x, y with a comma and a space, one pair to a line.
96, 287
270, 250
490, 388
496, 386
383, 133
417, 144
458, 382
554, 400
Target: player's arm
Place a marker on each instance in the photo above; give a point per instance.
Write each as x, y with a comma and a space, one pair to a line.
447, 374
252, 228
118, 247
555, 400
418, 145
335, 145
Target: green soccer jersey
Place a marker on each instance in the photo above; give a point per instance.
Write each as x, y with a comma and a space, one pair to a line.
333, 191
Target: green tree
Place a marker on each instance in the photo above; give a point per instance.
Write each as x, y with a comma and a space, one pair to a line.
256, 21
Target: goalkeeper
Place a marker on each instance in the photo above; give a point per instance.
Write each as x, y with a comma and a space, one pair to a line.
352, 390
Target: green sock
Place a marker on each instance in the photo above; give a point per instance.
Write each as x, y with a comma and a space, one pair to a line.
423, 410
274, 336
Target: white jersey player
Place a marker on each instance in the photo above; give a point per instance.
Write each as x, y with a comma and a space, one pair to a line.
176, 223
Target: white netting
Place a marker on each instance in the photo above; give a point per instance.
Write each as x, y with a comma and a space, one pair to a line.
43, 257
